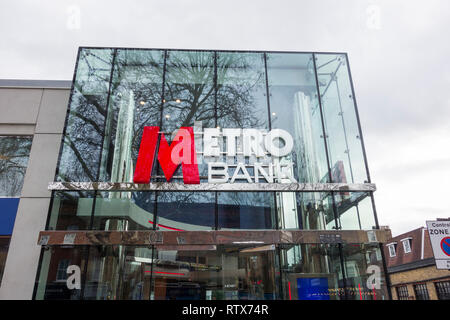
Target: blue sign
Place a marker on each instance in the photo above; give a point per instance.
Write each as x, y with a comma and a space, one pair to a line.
313, 289
445, 245
8, 211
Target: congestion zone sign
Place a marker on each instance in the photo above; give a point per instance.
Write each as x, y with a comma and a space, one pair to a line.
439, 232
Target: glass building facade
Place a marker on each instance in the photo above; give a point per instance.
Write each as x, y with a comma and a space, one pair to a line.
117, 92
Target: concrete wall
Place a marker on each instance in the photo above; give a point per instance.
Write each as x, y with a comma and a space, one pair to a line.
39, 112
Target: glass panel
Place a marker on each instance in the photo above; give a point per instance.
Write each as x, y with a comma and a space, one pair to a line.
55, 274
14, 153
246, 210
111, 273
406, 246
135, 102
365, 277
341, 125
189, 90
215, 273
294, 107
118, 273
241, 91
85, 127
355, 210
309, 272
305, 210
189, 96
71, 210
124, 211
186, 211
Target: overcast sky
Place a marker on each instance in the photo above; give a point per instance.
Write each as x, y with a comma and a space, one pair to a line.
399, 53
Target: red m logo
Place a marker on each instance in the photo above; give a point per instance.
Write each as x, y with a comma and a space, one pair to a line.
181, 151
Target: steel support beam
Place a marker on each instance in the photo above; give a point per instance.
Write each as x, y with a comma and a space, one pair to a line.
189, 238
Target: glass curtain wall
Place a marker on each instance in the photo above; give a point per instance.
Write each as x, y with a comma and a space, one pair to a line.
14, 154
344, 141
314, 272
199, 272
117, 92
215, 272
294, 107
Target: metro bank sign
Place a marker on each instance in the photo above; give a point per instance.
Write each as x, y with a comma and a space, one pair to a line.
250, 143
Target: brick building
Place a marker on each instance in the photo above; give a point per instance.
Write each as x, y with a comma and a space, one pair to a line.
412, 270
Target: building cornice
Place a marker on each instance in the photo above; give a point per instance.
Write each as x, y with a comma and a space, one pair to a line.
35, 84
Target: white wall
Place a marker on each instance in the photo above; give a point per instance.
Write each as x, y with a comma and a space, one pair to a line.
39, 112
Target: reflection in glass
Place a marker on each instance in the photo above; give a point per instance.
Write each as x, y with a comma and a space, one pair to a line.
14, 153
118, 273
341, 123
210, 272
313, 272
246, 210
205, 272
135, 102
355, 211
362, 261
186, 211
189, 90
241, 90
71, 210
119, 91
305, 210
294, 108
53, 276
85, 127
308, 272
189, 96
124, 211
214, 273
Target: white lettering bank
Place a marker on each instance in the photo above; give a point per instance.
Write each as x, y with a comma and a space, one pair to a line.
259, 152
252, 155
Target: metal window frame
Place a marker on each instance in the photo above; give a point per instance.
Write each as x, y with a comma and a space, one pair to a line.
442, 289
421, 290
409, 242
402, 292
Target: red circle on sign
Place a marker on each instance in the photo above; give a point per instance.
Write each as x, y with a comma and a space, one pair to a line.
445, 245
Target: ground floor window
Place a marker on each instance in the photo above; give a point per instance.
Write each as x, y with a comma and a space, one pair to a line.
402, 293
421, 291
443, 290
212, 272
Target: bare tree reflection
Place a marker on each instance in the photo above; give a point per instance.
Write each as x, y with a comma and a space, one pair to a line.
14, 153
225, 89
